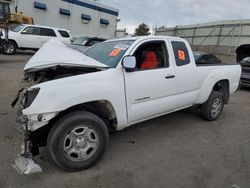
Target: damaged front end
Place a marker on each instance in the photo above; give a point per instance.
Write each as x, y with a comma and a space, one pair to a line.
53, 61
28, 126
24, 163
35, 127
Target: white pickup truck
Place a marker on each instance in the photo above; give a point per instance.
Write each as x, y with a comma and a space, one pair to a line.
75, 99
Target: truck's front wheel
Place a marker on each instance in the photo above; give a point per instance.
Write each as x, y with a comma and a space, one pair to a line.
77, 141
212, 109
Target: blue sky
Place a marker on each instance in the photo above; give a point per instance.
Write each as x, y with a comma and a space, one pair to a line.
177, 12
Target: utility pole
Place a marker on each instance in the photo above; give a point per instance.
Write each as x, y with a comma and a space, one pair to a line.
16, 6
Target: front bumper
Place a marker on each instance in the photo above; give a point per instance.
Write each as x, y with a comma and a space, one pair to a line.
26, 166
31, 126
24, 163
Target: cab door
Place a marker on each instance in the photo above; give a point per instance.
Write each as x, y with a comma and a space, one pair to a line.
150, 88
187, 84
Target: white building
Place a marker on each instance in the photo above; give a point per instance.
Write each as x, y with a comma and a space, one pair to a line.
122, 32
81, 17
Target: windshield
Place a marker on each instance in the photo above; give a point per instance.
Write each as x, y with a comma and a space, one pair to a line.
17, 28
80, 41
109, 53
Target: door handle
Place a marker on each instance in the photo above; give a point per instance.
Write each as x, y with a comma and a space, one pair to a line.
170, 76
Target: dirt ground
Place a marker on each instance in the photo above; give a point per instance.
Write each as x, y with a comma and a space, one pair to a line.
179, 150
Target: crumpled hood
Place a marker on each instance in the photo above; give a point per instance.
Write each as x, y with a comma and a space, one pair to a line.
54, 53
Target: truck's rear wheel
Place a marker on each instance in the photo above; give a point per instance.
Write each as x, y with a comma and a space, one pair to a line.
78, 141
212, 109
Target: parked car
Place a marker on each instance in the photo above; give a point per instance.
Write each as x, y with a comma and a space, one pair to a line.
82, 43
206, 58
32, 37
76, 98
245, 76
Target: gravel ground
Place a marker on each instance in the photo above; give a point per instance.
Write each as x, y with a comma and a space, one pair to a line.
176, 150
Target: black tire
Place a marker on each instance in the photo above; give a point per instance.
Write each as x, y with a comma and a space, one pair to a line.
207, 109
63, 127
9, 48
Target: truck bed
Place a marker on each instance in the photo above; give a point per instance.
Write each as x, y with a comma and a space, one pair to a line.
211, 73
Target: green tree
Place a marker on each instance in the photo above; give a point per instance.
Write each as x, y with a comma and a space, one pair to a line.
142, 30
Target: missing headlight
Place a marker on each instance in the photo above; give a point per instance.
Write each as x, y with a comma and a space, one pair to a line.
30, 97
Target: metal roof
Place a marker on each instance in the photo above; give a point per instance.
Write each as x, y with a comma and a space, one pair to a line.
209, 24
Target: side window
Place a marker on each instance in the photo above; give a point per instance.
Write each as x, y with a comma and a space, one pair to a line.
48, 32
151, 55
64, 34
31, 31
181, 53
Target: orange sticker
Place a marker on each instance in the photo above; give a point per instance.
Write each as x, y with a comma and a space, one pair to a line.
115, 52
181, 55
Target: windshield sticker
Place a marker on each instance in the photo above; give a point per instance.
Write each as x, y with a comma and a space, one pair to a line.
115, 52
181, 55
122, 46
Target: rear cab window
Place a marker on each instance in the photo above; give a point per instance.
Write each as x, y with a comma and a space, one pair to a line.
64, 34
180, 53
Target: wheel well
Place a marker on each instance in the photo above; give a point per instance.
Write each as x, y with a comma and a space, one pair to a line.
102, 109
14, 42
223, 86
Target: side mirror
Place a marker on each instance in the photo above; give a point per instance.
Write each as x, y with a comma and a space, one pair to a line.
24, 32
129, 63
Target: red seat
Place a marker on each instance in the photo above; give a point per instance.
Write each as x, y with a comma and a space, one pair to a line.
150, 61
